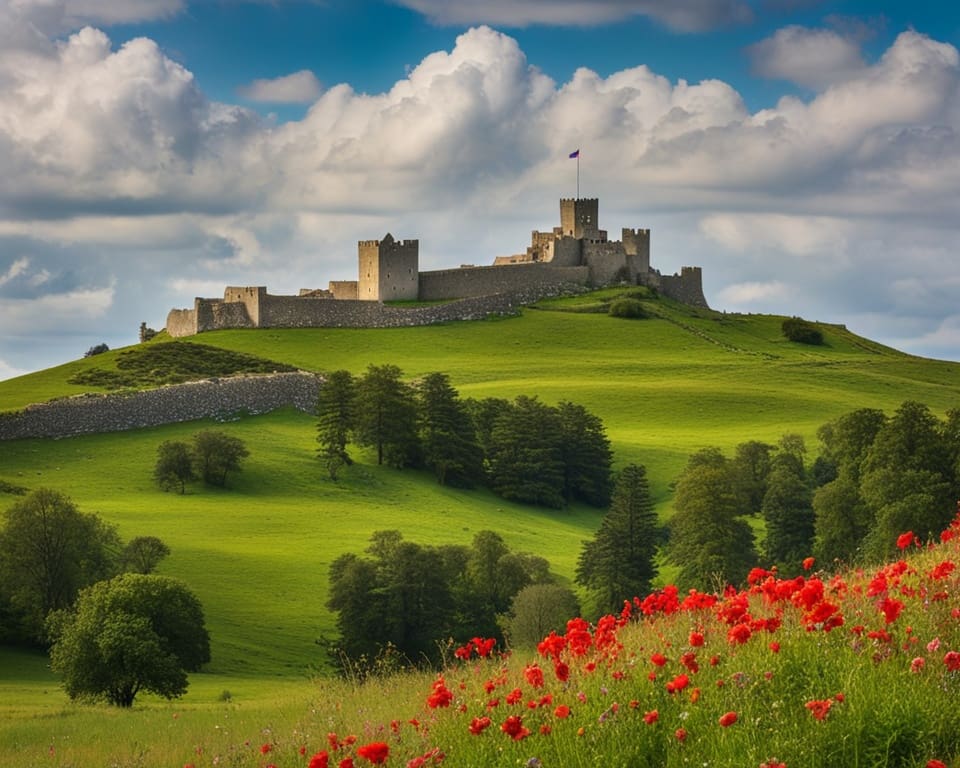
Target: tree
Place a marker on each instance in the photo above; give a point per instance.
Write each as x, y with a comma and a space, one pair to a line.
525, 463
386, 416
129, 634
336, 414
174, 467
49, 551
841, 520
97, 349
802, 331
536, 610
708, 541
586, 456
788, 511
751, 463
143, 553
619, 562
846, 440
447, 434
216, 453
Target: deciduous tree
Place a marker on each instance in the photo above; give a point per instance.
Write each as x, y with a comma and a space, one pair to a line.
215, 454
143, 553
386, 418
130, 634
536, 610
175, 466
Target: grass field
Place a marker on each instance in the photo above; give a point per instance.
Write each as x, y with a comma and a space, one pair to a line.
257, 554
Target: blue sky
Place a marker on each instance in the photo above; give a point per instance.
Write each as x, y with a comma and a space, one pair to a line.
805, 153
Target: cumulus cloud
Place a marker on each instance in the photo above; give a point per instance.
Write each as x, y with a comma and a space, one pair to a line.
680, 15
298, 88
812, 58
840, 206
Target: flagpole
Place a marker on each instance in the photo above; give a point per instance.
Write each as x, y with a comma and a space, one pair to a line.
578, 174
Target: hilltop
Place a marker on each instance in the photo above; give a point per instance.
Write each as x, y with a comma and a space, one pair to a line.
257, 554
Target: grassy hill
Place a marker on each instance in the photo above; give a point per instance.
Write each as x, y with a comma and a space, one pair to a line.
257, 554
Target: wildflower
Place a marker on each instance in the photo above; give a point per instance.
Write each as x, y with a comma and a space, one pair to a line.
347, 762
265, 748
441, 696
952, 660
678, 683
478, 725
739, 634
562, 712
320, 760
513, 727
534, 675
689, 660
773, 763
775, 646
651, 717
917, 664
934, 645
808, 563
658, 659
696, 639
890, 608
936, 764
680, 734
514, 696
562, 671
819, 708
904, 540
375, 752
728, 719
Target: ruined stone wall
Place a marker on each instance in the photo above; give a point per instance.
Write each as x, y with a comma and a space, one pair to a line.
605, 261
182, 322
212, 398
250, 296
485, 281
344, 289
636, 242
686, 287
566, 252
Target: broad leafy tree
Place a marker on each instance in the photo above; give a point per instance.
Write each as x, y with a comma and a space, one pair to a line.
709, 541
788, 510
846, 440
447, 434
143, 554
215, 454
175, 466
619, 562
336, 416
751, 463
842, 520
586, 456
535, 611
49, 551
386, 417
129, 634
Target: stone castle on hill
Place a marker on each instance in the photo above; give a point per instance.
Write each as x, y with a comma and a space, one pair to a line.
575, 255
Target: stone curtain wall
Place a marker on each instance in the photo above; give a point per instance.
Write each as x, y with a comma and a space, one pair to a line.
687, 287
483, 281
94, 413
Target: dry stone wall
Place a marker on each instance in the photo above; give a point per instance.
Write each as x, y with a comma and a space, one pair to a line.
210, 398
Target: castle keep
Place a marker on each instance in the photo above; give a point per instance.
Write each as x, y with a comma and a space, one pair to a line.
576, 254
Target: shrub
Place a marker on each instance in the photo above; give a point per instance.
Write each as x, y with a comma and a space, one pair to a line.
98, 349
799, 330
629, 308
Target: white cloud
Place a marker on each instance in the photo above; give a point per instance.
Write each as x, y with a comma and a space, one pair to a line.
55, 17
813, 58
681, 15
298, 88
748, 293
54, 312
16, 269
8, 371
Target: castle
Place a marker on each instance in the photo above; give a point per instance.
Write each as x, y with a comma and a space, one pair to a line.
577, 254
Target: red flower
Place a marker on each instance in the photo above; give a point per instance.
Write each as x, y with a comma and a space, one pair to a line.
513, 727
739, 634
514, 696
651, 717
728, 719
265, 748
808, 563
952, 660
479, 724
534, 675
936, 764
562, 712
678, 683
347, 762
680, 734
819, 708
441, 696
904, 540
696, 639
891, 609
658, 659
561, 670
319, 760
375, 752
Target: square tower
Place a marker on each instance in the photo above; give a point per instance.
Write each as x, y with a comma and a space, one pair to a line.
580, 218
388, 269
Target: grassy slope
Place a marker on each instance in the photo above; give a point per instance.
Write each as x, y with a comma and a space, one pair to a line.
257, 555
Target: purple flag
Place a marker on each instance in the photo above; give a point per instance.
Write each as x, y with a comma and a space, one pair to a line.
575, 154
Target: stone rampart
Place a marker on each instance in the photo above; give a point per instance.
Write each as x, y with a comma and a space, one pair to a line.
687, 287
484, 281
210, 398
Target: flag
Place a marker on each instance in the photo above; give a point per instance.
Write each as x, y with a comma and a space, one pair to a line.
575, 154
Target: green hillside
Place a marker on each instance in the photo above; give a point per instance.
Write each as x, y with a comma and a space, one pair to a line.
257, 554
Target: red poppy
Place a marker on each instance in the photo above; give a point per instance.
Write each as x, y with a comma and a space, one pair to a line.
375, 752
739, 634
562, 712
534, 675
904, 540
952, 660
678, 683
819, 708
265, 748
680, 734
808, 563
728, 719
513, 727
696, 639
319, 760
479, 724
651, 717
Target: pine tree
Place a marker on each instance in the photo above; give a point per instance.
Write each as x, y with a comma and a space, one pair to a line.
386, 417
586, 456
619, 562
447, 435
336, 413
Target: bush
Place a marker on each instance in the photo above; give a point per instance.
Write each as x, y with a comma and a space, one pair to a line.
99, 349
629, 308
799, 330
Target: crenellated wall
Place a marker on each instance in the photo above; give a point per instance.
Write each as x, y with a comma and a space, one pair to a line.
210, 398
686, 287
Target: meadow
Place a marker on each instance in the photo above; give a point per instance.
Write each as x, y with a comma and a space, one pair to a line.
257, 553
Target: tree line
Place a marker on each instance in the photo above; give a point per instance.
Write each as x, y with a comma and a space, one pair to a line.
523, 450
876, 477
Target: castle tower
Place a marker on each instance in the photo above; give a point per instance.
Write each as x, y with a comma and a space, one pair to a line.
388, 269
580, 218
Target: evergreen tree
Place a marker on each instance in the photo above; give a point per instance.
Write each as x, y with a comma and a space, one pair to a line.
788, 511
336, 412
525, 462
708, 540
586, 456
619, 562
447, 435
386, 417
